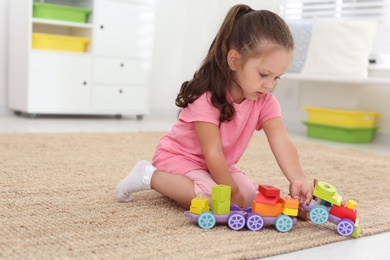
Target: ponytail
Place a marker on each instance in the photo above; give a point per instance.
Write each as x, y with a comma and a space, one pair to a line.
243, 29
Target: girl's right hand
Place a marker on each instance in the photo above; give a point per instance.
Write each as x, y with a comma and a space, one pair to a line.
238, 200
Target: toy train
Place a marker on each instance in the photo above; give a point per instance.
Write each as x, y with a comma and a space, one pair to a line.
269, 208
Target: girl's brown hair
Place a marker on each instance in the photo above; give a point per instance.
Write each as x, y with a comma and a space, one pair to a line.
243, 30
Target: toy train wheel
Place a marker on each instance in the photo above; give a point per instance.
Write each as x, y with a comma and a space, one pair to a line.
283, 223
254, 222
345, 227
206, 220
319, 214
236, 221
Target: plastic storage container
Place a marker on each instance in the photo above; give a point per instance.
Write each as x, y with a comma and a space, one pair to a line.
60, 12
342, 134
59, 42
343, 118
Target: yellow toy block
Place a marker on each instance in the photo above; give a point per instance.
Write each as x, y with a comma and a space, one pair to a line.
289, 202
221, 207
266, 210
199, 204
221, 192
290, 212
334, 199
198, 210
351, 204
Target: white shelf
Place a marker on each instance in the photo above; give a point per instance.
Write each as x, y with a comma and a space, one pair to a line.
336, 79
62, 23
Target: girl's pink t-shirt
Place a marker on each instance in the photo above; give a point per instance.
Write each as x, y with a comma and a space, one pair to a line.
179, 151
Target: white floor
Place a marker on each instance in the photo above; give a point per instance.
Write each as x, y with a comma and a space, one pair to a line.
372, 247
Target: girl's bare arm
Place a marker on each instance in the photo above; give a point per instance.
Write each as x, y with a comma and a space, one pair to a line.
211, 144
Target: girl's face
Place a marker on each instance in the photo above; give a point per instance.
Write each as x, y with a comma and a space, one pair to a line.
258, 75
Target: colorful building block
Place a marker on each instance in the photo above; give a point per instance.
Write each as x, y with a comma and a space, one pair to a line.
220, 193
303, 214
325, 188
343, 212
261, 198
269, 190
197, 210
290, 212
356, 231
289, 202
351, 204
334, 199
266, 210
221, 207
199, 204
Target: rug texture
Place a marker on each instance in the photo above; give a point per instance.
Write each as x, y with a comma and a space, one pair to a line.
57, 200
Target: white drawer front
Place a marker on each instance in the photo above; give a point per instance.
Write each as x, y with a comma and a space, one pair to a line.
116, 71
120, 98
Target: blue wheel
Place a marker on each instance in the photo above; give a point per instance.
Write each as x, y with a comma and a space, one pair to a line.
283, 223
345, 227
254, 222
236, 221
319, 214
206, 220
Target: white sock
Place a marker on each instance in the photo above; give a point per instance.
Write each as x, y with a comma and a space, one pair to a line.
138, 179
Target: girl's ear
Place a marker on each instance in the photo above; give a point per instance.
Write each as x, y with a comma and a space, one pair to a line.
233, 59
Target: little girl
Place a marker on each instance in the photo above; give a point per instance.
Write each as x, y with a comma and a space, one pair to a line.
228, 99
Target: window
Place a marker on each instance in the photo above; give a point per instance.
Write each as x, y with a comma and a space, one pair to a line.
354, 9
377, 10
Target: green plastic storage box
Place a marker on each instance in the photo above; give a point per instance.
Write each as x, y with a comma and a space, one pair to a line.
341, 134
60, 12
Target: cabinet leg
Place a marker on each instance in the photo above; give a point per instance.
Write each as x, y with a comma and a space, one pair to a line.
118, 116
30, 115
140, 117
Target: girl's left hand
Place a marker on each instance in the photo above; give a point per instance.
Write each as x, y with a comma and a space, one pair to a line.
301, 190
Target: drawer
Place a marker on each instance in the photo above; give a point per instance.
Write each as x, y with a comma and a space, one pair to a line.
117, 71
120, 98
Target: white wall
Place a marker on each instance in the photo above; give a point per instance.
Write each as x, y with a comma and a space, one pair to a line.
3, 55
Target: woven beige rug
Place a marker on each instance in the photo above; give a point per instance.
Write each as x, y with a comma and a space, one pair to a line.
57, 200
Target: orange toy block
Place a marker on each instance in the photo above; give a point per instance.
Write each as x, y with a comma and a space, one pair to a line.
261, 198
269, 190
266, 210
289, 202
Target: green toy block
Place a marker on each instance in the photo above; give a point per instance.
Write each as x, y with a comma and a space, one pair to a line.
221, 207
221, 193
334, 199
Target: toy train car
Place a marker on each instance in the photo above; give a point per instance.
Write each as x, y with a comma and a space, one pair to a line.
328, 205
267, 209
